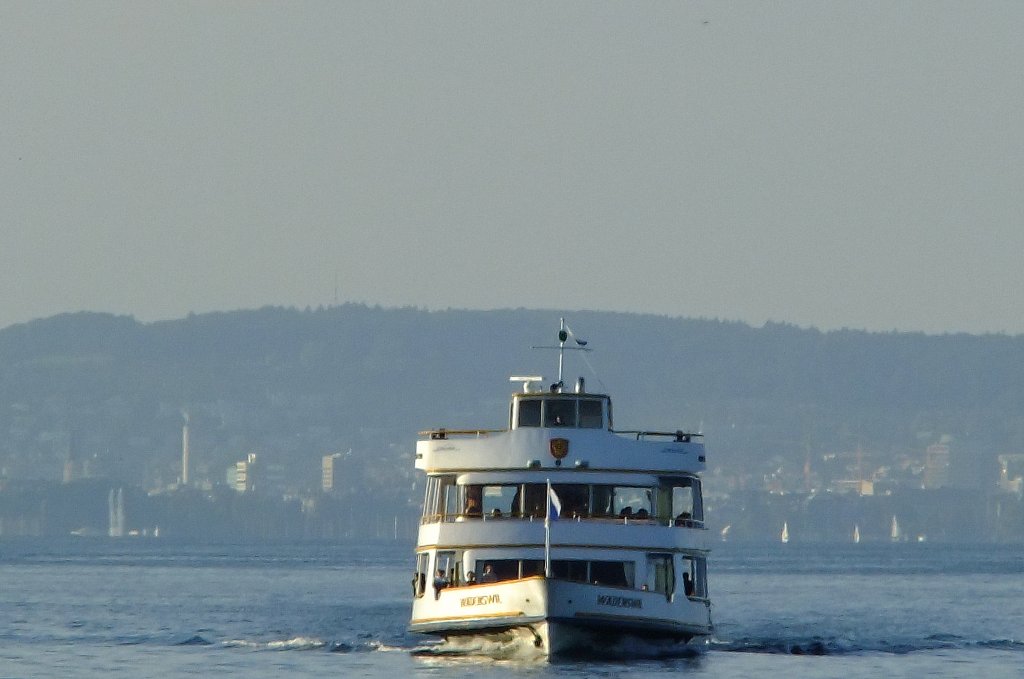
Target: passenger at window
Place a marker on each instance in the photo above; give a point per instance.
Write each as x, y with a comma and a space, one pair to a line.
488, 574
440, 582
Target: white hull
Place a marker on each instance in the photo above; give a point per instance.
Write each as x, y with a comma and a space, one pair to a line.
560, 617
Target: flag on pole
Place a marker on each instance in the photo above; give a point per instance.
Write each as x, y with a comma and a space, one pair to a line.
554, 504
554, 509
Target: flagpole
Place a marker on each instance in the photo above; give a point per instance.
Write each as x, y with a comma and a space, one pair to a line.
547, 531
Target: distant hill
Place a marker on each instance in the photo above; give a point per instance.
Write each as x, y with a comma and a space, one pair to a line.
105, 395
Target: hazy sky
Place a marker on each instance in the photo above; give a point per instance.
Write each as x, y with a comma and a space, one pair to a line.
835, 164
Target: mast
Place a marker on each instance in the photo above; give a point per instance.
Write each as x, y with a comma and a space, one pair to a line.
563, 335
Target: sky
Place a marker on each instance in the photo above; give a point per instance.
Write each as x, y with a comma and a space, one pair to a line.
826, 164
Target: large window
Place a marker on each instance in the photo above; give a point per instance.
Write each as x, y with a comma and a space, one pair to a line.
608, 573
561, 411
440, 498
684, 496
573, 570
624, 502
529, 413
590, 415
498, 501
578, 501
660, 574
612, 573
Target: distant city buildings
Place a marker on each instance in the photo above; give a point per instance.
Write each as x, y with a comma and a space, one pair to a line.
1011, 473
247, 474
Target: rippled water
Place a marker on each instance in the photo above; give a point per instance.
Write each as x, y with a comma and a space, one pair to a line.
97, 607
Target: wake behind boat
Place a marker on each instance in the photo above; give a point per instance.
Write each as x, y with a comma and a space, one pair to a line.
561, 530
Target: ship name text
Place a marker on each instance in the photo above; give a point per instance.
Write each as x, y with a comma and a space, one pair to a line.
619, 602
480, 600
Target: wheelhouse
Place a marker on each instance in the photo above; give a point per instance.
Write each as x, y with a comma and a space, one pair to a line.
564, 411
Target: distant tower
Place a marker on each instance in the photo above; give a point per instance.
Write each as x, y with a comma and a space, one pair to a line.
184, 451
115, 510
330, 469
807, 470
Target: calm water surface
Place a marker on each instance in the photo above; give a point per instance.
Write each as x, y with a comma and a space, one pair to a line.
154, 608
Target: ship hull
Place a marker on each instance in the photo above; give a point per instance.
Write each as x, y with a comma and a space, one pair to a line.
560, 618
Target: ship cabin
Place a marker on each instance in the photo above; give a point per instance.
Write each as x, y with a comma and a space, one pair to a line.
558, 410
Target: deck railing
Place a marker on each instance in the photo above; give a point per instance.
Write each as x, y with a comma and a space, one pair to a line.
442, 434
678, 436
607, 520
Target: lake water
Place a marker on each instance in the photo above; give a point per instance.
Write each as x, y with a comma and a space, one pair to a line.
153, 608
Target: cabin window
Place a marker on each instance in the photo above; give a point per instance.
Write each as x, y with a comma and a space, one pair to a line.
447, 571
612, 573
686, 507
494, 501
509, 569
624, 502
531, 567
590, 415
535, 500
419, 577
679, 502
529, 412
430, 498
452, 501
568, 569
575, 499
578, 501
471, 500
502, 569
440, 497
694, 576
660, 574
559, 412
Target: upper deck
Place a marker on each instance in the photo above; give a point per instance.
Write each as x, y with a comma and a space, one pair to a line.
560, 431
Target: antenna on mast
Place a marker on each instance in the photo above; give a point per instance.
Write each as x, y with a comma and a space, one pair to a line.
563, 334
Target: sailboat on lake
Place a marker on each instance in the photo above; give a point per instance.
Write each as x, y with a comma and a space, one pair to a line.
895, 534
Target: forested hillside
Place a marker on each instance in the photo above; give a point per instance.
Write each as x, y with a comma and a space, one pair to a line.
108, 394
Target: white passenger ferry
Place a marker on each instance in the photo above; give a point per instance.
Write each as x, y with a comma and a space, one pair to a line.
561, 530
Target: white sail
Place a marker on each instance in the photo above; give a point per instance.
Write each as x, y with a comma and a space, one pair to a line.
894, 531
785, 532
856, 534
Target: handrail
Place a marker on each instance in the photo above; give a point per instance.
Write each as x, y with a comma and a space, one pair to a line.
441, 434
679, 435
607, 520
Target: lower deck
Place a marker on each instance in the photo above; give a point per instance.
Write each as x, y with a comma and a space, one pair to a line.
560, 613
